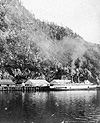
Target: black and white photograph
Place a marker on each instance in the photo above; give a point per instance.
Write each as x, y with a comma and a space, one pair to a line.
49, 61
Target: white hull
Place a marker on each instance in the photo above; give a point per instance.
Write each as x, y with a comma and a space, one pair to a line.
74, 86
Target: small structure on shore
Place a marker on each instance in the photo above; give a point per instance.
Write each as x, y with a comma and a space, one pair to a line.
6, 83
37, 83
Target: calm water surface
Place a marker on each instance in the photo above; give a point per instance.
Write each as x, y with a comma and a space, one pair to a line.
50, 107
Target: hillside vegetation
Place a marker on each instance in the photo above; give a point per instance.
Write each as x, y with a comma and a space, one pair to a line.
30, 48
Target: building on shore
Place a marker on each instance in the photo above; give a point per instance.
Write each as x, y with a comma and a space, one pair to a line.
37, 83
6, 83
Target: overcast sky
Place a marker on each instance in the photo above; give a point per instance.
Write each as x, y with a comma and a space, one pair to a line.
82, 16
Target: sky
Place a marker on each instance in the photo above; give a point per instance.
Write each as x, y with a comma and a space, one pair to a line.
82, 16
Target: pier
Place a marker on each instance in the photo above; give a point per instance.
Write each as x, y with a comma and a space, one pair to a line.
24, 88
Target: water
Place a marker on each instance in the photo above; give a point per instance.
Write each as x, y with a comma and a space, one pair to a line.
50, 107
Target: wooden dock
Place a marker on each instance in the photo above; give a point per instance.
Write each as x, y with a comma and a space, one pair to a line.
17, 88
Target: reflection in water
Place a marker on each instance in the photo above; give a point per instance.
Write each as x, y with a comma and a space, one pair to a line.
48, 107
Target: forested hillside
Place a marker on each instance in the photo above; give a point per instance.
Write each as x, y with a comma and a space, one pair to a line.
30, 48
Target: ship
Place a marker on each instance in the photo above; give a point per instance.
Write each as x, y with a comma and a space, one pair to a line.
65, 85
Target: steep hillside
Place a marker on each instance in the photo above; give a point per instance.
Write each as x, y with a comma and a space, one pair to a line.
30, 48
